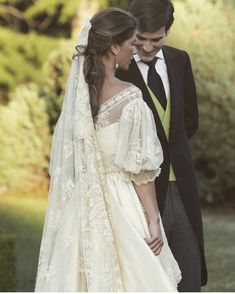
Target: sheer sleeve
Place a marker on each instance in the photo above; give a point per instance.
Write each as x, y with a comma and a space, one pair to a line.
139, 150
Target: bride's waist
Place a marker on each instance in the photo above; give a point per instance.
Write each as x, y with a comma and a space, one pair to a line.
110, 167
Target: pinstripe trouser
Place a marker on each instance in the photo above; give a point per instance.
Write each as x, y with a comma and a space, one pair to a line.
182, 240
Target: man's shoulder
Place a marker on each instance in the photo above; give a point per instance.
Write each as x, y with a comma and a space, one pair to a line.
174, 52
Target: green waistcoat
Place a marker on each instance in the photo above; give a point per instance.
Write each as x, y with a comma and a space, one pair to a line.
164, 116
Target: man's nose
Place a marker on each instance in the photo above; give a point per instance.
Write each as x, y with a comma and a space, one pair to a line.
148, 47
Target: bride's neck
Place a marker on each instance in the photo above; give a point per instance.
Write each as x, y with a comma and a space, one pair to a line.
109, 70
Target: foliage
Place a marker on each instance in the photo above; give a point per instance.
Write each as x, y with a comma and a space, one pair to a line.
123, 4
24, 141
42, 15
56, 71
219, 232
210, 45
23, 216
21, 58
7, 263
50, 17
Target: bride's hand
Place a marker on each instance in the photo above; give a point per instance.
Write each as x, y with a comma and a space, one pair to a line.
155, 242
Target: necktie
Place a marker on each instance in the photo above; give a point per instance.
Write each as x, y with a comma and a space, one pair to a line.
155, 83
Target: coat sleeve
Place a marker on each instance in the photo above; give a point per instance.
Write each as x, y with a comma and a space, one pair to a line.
190, 100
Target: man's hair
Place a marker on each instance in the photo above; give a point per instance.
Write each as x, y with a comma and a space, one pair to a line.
152, 14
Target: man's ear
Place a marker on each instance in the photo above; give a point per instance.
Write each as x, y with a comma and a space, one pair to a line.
115, 48
167, 32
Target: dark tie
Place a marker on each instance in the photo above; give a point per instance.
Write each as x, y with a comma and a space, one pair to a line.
155, 83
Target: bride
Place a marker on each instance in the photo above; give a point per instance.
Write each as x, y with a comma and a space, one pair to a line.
103, 231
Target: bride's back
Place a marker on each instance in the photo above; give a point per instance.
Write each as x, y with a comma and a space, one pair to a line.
111, 108
112, 88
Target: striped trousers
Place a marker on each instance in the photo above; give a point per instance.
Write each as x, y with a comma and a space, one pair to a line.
182, 240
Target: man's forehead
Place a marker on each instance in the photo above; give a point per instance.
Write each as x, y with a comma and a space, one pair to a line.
152, 35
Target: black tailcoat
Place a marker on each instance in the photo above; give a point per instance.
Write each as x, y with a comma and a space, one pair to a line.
183, 124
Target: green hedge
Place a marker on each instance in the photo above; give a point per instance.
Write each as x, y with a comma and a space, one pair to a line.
56, 70
206, 31
21, 59
24, 141
7, 263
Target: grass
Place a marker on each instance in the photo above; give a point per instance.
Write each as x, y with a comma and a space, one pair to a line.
219, 231
24, 217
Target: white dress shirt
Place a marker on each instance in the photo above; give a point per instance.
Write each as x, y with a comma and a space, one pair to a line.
160, 68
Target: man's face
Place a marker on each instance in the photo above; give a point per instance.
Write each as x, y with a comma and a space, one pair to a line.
148, 44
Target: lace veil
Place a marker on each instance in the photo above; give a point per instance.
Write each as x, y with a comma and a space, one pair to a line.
77, 250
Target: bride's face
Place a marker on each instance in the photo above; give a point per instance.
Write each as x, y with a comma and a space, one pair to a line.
126, 51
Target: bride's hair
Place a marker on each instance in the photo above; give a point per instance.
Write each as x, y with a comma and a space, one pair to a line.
109, 26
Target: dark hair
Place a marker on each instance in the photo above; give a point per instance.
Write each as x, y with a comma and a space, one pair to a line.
152, 14
109, 26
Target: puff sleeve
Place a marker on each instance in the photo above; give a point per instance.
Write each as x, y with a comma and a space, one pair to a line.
139, 151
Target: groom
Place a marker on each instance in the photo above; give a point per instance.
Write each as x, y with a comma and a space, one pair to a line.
164, 75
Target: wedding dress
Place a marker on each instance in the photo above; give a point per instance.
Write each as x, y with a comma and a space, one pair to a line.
131, 152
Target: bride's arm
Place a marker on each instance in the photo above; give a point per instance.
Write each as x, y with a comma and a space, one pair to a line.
147, 195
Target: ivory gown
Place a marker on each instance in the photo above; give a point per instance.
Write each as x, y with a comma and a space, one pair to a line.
131, 151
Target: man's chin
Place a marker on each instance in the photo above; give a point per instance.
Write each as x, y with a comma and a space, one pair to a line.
147, 58
127, 66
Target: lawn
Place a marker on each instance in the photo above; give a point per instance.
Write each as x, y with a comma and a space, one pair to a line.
219, 231
24, 216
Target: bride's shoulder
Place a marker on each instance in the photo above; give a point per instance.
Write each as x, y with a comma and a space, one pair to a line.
118, 91
128, 86
129, 91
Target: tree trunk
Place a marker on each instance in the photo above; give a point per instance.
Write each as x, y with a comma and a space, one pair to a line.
85, 10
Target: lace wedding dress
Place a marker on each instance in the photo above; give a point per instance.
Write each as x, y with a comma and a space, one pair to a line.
131, 152
95, 225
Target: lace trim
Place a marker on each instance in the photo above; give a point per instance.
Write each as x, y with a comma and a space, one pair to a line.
105, 116
119, 97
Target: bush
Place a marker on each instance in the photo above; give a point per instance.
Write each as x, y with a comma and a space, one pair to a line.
205, 30
24, 141
7, 263
123, 4
21, 59
56, 70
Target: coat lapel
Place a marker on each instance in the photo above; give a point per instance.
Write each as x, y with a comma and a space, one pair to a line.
171, 64
138, 80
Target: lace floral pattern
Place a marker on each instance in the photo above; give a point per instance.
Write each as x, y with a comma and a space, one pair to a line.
139, 151
111, 109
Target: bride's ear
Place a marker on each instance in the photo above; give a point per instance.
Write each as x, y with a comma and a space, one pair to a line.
115, 48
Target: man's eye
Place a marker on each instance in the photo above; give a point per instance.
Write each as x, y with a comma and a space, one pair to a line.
140, 38
157, 40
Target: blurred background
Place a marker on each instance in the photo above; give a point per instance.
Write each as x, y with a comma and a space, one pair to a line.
37, 40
